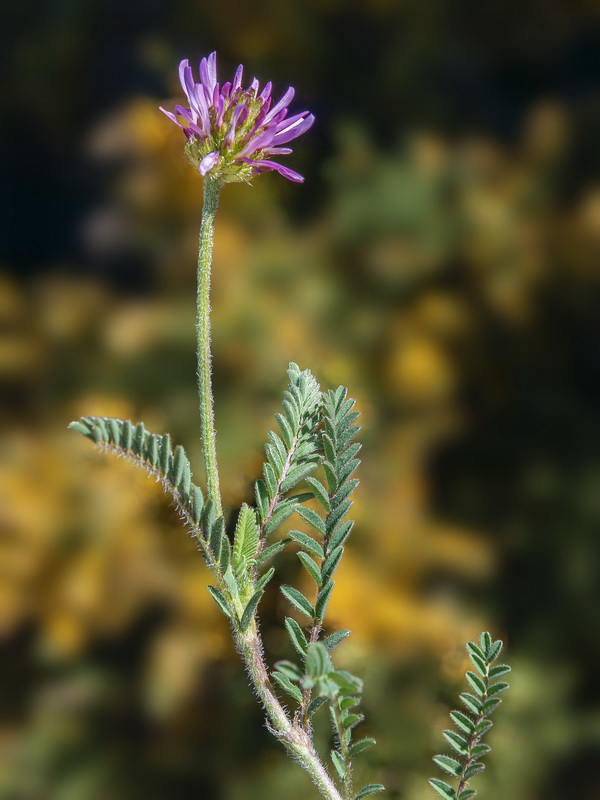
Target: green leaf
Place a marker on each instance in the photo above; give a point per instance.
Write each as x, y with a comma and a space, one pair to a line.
262, 498
497, 688
495, 650
361, 745
298, 600
225, 554
114, 429
320, 492
250, 610
485, 642
348, 683
352, 720
491, 705
474, 649
215, 539
295, 475
311, 567
323, 600
270, 480
500, 669
139, 438
179, 461
318, 662
370, 788
474, 769
297, 636
466, 794
443, 788
483, 727
307, 542
165, 455
289, 669
457, 742
448, 764
479, 663
286, 430
315, 705
336, 638
262, 581
271, 551
476, 682
283, 510
245, 541
197, 502
338, 763
331, 563
462, 721
474, 704
480, 750
219, 599
288, 686
312, 518
337, 515
339, 536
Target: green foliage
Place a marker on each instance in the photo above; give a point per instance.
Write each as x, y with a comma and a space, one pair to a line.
292, 454
245, 546
152, 452
474, 725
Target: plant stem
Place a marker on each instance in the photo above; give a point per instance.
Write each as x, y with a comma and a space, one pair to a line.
207, 420
295, 739
293, 736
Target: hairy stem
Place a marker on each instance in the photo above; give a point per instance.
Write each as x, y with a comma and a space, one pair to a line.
294, 738
207, 421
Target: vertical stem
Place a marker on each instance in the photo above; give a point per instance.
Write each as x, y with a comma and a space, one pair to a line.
207, 420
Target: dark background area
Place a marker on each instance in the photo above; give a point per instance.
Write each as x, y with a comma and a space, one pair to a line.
441, 260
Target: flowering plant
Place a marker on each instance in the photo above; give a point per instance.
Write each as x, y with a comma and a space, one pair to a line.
231, 134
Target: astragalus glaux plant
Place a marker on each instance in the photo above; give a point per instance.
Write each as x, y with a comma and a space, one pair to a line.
232, 134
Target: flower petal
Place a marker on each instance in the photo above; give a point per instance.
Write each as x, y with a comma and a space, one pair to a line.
285, 171
292, 131
208, 162
285, 101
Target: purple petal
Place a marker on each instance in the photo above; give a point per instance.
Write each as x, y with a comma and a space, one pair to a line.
254, 86
293, 131
171, 116
266, 92
285, 171
202, 105
226, 89
208, 72
278, 151
262, 140
285, 101
208, 162
212, 67
237, 80
239, 110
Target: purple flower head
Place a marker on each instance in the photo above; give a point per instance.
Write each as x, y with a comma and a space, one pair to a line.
232, 133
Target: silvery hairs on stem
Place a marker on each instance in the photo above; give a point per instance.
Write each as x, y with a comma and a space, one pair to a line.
231, 135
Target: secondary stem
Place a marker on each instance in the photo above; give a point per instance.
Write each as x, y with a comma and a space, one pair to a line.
207, 421
293, 736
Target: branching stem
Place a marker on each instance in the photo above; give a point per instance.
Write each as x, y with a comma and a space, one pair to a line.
295, 739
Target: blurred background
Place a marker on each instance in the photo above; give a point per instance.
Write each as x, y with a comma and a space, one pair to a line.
441, 260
